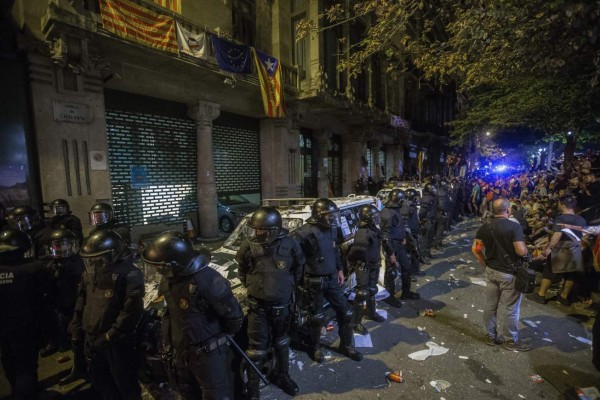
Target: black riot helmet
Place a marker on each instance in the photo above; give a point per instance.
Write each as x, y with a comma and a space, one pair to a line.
369, 215
101, 250
15, 246
395, 198
62, 243
430, 189
171, 253
24, 218
59, 207
444, 184
101, 214
326, 213
412, 194
264, 226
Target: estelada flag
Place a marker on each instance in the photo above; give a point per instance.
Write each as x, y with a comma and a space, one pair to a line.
139, 24
420, 158
269, 75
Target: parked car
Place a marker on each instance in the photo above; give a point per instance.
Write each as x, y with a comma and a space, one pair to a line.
382, 195
232, 209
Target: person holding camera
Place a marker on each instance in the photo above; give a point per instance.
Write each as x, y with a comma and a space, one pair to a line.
498, 245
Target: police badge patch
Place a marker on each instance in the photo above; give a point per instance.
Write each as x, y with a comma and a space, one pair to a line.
183, 304
281, 264
108, 294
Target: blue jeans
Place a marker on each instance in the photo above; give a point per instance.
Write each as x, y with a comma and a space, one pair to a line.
501, 287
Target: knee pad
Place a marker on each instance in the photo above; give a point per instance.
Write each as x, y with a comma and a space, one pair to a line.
361, 295
373, 290
348, 314
281, 343
256, 355
318, 319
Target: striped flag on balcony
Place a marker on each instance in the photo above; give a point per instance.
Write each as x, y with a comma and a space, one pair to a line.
173, 5
139, 24
194, 44
269, 75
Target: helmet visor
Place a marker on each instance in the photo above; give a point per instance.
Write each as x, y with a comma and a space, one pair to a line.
97, 263
62, 249
261, 235
330, 219
98, 217
58, 210
164, 269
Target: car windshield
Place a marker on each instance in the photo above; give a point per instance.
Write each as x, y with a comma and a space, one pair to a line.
235, 239
233, 200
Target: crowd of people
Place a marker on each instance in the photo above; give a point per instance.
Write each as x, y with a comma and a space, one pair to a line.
86, 293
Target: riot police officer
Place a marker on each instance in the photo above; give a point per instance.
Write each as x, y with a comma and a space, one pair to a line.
65, 269
102, 216
22, 282
108, 309
62, 217
201, 311
320, 239
393, 234
443, 206
428, 217
411, 214
365, 255
27, 219
270, 265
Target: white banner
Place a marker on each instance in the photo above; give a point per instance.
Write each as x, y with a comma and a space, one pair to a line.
190, 43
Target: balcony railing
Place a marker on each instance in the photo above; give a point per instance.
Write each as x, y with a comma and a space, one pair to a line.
289, 72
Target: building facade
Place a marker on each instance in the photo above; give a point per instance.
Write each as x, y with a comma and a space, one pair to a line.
159, 133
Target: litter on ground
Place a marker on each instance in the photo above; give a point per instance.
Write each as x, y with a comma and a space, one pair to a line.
440, 385
434, 350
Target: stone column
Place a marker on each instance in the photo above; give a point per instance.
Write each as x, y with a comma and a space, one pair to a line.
353, 147
375, 145
204, 113
322, 138
278, 149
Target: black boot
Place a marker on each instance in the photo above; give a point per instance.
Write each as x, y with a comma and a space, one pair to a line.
347, 343
425, 260
79, 370
358, 315
314, 351
282, 378
372, 310
253, 385
406, 293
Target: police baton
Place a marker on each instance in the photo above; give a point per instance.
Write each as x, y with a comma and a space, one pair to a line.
248, 360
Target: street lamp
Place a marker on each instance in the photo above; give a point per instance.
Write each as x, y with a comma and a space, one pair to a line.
569, 133
487, 133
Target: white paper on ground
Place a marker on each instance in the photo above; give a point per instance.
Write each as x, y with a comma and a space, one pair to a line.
362, 340
581, 339
434, 350
530, 323
478, 281
383, 313
300, 365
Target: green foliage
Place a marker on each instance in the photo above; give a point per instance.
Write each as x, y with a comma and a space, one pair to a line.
533, 63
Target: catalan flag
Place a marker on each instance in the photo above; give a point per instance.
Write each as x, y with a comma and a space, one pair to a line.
269, 75
420, 158
139, 24
173, 5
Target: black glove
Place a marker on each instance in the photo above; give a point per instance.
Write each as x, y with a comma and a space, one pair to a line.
233, 325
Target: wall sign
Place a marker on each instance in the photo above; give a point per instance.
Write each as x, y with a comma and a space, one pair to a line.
77, 113
98, 160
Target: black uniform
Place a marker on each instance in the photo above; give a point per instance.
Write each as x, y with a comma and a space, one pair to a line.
109, 307
270, 273
365, 255
393, 231
428, 217
321, 247
61, 296
201, 310
443, 205
67, 221
410, 213
21, 288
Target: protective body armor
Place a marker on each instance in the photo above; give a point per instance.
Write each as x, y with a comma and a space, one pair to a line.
198, 305
112, 299
321, 249
392, 228
428, 207
366, 246
271, 272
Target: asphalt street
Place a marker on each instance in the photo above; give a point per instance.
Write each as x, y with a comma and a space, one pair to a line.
560, 338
